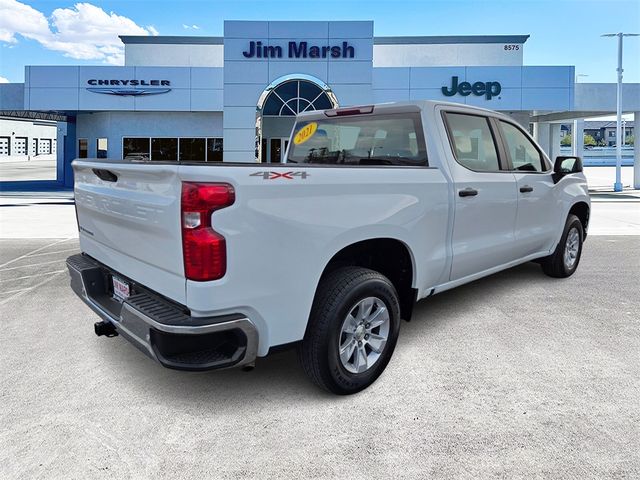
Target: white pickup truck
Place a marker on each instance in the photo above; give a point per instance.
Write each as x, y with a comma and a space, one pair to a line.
206, 266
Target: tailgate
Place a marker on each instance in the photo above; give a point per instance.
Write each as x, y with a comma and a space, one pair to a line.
129, 219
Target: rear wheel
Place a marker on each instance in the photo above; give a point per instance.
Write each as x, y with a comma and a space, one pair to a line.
352, 331
564, 260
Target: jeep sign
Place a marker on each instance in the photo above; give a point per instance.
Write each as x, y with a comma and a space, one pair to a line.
488, 89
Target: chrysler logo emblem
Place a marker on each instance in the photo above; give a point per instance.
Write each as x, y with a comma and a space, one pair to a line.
129, 92
128, 88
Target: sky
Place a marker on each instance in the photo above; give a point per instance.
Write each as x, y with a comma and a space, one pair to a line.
563, 32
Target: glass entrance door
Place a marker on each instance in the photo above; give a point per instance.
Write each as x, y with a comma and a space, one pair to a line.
273, 149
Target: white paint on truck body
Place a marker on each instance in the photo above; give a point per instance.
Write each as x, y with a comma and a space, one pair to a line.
281, 233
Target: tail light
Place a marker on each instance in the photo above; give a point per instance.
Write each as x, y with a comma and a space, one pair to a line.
204, 249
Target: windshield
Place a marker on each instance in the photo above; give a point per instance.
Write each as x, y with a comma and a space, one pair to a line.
394, 139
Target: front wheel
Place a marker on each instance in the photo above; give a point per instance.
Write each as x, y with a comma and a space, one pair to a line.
352, 331
565, 258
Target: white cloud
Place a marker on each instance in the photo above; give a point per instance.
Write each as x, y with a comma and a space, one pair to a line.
85, 32
4, 80
190, 27
23, 19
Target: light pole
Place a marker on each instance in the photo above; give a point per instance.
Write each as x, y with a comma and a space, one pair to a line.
617, 187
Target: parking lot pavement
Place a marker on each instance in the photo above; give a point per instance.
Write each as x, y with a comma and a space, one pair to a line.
33, 169
516, 375
600, 178
27, 264
614, 217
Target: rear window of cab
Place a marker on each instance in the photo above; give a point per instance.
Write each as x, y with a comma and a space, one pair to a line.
380, 140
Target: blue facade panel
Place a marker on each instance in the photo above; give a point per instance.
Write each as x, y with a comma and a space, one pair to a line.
289, 30
390, 95
12, 96
547, 77
236, 71
358, 29
391, 78
509, 77
208, 78
246, 29
206, 100
435, 77
281, 69
353, 72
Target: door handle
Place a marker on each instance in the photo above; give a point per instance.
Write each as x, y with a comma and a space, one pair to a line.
106, 175
468, 192
526, 189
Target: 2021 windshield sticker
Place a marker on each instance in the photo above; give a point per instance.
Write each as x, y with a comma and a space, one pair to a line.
305, 133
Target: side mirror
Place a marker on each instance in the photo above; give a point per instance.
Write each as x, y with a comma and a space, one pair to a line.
566, 166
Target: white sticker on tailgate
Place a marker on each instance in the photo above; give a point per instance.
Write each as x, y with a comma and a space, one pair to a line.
121, 289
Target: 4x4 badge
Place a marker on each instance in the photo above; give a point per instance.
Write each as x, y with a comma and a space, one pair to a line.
267, 175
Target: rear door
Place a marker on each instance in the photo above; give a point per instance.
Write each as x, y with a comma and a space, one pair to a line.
485, 197
536, 225
129, 219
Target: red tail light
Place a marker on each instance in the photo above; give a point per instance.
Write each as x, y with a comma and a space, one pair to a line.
204, 249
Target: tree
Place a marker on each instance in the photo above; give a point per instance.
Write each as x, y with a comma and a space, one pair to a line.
589, 141
630, 140
566, 140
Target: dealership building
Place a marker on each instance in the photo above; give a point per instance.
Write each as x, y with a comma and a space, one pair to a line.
234, 98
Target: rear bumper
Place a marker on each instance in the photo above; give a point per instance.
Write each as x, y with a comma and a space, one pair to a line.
161, 329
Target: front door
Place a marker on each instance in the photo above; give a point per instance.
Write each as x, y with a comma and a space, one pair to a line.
274, 149
485, 198
536, 227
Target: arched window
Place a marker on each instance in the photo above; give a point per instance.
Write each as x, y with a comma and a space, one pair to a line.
295, 96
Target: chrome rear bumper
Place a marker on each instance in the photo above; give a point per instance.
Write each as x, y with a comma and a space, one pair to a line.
163, 330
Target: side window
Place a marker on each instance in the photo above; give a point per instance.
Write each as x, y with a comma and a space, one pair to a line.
83, 148
473, 143
524, 155
101, 147
134, 148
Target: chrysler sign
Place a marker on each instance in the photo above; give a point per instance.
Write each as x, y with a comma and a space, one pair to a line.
128, 87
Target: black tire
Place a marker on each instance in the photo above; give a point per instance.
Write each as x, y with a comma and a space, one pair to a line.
555, 265
338, 295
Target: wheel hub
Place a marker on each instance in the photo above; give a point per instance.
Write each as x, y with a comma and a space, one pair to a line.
364, 334
572, 247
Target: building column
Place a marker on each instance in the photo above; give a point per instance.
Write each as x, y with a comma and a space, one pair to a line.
522, 118
548, 137
541, 134
69, 154
554, 141
61, 128
636, 151
577, 138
